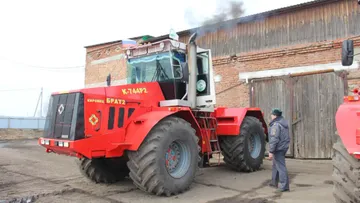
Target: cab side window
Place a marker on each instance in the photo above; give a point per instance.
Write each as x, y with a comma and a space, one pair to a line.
203, 85
177, 59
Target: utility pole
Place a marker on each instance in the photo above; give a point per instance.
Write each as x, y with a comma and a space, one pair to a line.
37, 104
41, 102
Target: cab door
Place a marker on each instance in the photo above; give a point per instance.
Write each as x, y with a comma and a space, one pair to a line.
205, 86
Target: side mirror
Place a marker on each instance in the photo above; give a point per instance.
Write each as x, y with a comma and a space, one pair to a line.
347, 53
108, 80
185, 72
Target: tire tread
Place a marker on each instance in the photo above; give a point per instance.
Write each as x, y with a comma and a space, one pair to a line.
233, 147
96, 171
141, 162
345, 175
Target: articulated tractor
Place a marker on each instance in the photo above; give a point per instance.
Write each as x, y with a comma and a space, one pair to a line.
160, 127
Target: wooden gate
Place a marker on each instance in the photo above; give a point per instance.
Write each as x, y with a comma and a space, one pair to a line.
316, 99
309, 103
271, 93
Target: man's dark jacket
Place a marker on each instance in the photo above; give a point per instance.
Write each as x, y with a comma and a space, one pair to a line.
279, 138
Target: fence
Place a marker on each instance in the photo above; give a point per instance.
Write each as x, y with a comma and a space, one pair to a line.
22, 123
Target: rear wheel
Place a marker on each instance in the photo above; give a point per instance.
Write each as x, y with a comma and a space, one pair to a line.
245, 152
102, 170
346, 175
167, 160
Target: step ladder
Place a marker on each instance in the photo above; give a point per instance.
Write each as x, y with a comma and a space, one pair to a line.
208, 126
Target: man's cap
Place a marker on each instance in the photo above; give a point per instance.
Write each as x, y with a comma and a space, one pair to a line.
276, 112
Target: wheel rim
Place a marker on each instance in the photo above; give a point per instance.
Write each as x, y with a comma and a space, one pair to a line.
177, 159
254, 145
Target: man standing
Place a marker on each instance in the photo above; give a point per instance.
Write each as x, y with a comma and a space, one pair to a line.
279, 140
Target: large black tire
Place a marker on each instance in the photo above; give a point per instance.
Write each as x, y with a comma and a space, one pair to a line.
148, 165
104, 170
346, 175
235, 149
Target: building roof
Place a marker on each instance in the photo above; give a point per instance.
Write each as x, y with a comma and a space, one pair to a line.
112, 42
245, 19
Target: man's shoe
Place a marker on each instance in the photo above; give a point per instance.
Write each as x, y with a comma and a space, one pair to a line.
272, 185
282, 190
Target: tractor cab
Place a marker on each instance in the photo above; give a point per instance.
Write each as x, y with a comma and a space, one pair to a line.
165, 61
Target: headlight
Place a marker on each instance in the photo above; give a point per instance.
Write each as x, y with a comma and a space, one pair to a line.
42, 141
60, 144
47, 142
201, 85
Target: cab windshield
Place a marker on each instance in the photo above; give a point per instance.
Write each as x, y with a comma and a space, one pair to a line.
157, 67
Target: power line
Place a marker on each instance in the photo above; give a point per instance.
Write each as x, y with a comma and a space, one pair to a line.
43, 67
12, 90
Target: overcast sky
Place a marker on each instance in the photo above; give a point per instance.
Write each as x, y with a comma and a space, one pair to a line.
42, 41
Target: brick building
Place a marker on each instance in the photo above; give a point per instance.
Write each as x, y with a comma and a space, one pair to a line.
264, 60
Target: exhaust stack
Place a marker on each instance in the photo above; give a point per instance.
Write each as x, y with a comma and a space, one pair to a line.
192, 70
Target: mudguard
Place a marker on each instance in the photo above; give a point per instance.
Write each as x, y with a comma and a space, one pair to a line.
230, 119
141, 126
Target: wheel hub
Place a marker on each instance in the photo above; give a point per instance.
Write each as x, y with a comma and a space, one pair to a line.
177, 159
172, 157
254, 145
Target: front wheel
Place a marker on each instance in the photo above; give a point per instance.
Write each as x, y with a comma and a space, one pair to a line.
103, 170
245, 152
167, 160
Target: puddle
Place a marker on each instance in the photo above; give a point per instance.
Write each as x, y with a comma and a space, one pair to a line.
303, 185
237, 199
3, 144
329, 182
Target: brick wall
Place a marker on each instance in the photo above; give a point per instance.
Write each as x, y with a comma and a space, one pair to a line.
107, 59
354, 77
102, 60
232, 93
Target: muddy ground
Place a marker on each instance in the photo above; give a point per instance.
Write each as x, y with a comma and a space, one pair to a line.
15, 134
27, 172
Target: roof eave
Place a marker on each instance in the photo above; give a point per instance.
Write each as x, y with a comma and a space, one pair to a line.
245, 19
112, 42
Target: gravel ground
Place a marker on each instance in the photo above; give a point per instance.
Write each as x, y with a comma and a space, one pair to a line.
28, 172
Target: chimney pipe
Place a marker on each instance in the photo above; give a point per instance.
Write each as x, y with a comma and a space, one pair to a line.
192, 70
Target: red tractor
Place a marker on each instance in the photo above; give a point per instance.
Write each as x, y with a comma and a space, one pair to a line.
346, 170
160, 127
